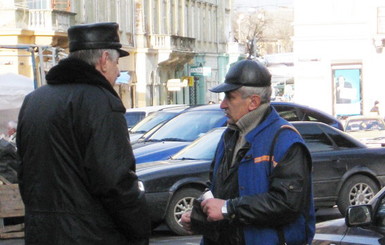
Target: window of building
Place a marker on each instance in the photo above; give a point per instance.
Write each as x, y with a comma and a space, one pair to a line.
381, 20
174, 19
164, 13
128, 7
148, 15
149, 94
38, 4
187, 16
153, 17
113, 12
198, 22
192, 20
182, 19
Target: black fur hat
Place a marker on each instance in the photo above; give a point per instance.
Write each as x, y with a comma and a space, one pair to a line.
95, 36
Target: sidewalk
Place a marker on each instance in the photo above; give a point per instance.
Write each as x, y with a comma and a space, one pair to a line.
12, 242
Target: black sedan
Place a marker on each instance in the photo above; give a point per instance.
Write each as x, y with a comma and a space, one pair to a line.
363, 224
345, 172
167, 139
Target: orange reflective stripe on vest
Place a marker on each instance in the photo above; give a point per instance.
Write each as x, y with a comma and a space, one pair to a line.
265, 158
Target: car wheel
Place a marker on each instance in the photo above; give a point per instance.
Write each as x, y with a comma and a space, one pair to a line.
356, 190
181, 202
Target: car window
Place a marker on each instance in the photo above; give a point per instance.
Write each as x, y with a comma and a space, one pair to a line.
315, 117
364, 124
189, 126
151, 121
375, 125
287, 112
339, 139
133, 118
315, 139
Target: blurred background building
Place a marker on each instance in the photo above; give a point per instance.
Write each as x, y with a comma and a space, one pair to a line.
178, 47
334, 41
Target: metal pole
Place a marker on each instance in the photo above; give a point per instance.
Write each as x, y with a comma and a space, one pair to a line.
41, 65
54, 55
35, 84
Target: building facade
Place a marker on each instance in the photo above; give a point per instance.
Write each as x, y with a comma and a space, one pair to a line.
178, 48
34, 29
339, 56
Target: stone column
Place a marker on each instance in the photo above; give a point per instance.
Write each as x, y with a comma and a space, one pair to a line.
140, 55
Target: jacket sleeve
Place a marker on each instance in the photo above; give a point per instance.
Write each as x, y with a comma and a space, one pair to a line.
110, 166
288, 192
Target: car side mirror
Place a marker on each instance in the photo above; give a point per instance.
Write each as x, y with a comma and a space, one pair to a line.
358, 215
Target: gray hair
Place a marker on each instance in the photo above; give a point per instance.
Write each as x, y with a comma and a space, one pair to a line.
263, 92
91, 56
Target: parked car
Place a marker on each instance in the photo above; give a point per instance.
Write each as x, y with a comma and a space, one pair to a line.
297, 112
178, 132
172, 185
345, 172
363, 224
370, 130
175, 134
134, 115
154, 119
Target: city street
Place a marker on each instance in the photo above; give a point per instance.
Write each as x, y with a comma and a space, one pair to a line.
163, 236
127, 107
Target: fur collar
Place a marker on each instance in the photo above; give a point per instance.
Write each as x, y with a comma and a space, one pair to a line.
71, 70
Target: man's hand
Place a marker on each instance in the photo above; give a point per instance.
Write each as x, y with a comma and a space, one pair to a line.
186, 222
213, 209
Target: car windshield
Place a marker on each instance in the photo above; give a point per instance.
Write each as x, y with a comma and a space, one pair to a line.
189, 126
202, 148
151, 121
364, 124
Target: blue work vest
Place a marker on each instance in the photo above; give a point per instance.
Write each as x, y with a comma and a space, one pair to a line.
253, 178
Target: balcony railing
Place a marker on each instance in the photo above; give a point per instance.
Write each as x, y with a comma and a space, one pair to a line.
176, 43
48, 19
183, 43
160, 41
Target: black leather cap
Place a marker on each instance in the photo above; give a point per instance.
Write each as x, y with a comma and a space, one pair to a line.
95, 36
244, 73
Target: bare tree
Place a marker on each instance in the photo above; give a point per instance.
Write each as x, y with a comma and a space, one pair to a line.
249, 29
262, 32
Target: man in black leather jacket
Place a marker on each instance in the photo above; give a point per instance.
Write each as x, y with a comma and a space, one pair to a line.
77, 176
261, 173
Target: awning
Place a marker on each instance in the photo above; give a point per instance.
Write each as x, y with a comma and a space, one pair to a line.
13, 89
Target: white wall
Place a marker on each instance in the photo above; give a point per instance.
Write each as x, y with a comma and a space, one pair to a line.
335, 32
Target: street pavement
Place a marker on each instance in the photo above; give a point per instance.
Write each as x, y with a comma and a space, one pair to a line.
158, 239
163, 236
